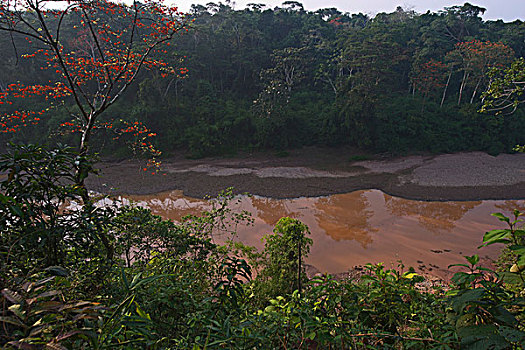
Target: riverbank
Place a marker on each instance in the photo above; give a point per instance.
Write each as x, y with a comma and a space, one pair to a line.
313, 171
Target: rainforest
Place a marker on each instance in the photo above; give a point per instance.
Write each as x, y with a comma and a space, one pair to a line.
260, 178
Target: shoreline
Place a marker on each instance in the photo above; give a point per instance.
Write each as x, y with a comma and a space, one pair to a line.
465, 177
313, 172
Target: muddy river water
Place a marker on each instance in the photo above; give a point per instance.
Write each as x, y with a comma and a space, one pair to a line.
355, 228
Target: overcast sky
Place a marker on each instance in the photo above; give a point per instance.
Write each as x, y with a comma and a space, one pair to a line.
508, 10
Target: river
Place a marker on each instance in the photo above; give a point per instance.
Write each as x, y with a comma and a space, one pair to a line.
360, 227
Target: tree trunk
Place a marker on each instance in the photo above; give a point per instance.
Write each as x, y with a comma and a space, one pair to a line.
445, 90
423, 102
462, 86
82, 172
475, 90
83, 165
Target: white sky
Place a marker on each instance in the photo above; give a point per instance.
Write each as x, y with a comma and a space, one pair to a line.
508, 10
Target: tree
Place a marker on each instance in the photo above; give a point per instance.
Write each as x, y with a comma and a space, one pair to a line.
374, 64
287, 71
475, 58
506, 91
285, 251
462, 21
428, 76
113, 43
507, 88
293, 6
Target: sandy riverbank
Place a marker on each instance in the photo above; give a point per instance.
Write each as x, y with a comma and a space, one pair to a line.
323, 171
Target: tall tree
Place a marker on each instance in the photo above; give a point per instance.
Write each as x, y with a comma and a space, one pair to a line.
112, 42
475, 58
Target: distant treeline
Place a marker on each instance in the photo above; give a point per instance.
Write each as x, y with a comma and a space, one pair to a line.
279, 78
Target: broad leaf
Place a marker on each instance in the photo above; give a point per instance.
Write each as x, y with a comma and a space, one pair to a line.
501, 217
461, 301
496, 236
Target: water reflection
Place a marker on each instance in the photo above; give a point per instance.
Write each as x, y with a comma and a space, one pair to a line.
171, 205
270, 210
346, 217
363, 226
434, 216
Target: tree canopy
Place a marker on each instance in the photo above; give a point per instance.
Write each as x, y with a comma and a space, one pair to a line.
275, 78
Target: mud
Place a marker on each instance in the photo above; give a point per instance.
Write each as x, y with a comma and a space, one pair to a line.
313, 172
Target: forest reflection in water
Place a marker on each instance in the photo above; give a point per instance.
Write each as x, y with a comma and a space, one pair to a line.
363, 226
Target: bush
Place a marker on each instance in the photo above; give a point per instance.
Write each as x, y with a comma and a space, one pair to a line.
87, 277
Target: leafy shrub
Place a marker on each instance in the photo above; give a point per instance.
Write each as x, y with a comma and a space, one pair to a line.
488, 307
283, 259
41, 223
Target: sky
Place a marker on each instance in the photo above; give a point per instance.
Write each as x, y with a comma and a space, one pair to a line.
508, 10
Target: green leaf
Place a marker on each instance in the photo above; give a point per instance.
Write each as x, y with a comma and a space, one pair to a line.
473, 260
12, 321
410, 275
17, 310
501, 217
481, 337
462, 300
493, 342
520, 251
496, 236
16, 210
503, 315
137, 283
521, 260
519, 233
512, 335
511, 277
503, 240
125, 279
269, 309
141, 313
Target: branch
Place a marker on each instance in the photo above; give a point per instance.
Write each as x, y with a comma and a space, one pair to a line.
55, 46
62, 16
97, 43
141, 63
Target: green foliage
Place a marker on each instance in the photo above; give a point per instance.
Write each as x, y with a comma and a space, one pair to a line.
488, 307
283, 78
283, 260
506, 91
37, 314
140, 235
169, 285
41, 221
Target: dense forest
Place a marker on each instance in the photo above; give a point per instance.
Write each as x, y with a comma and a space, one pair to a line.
285, 77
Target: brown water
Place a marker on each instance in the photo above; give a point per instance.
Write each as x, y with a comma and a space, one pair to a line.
364, 226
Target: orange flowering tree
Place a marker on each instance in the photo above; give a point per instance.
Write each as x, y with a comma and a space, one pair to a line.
476, 58
112, 43
428, 76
